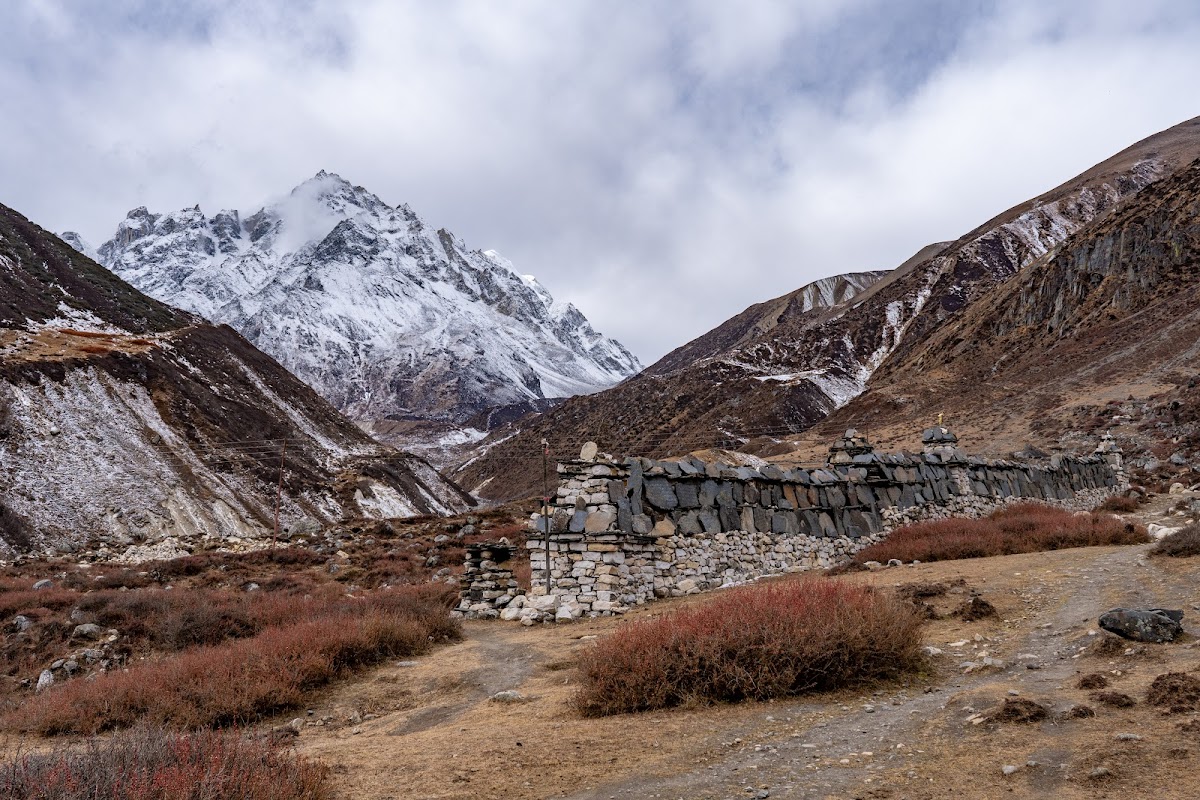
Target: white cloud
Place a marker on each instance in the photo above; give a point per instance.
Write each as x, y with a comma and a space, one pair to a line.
662, 165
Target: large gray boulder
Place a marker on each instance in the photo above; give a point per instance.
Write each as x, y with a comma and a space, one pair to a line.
1155, 625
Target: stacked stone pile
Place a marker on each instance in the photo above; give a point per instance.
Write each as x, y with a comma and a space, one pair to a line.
940, 442
487, 584
846, 448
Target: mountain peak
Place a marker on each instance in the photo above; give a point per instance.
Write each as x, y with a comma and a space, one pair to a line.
381, 314
324, 184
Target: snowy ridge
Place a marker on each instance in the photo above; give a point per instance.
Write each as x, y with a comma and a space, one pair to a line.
848, 352
380, 313
836, 289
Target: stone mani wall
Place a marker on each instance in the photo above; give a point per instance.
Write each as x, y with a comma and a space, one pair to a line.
624, 533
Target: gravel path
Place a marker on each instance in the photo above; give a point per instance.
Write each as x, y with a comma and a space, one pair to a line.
844, 751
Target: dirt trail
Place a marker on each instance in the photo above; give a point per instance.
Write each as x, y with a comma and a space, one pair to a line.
437, 735
885, 732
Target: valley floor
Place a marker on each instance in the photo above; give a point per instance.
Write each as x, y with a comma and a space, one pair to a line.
427, 729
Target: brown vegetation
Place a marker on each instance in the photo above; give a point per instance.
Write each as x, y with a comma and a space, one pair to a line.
1183, 543
238, 682
154, 764
1018, 528
222, 638
88, 334
755, 643
1176, 692
1118, 504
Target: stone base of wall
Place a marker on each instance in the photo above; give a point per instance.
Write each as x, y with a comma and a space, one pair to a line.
975, 506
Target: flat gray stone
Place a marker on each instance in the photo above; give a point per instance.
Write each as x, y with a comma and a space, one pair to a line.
688, 494
660, 494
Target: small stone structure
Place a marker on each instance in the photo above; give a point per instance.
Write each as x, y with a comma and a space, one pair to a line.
488, 584
623, 533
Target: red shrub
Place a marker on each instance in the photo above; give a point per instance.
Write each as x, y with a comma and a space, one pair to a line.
1018, 528
239, 682
754, 643
1118, 504
153, 764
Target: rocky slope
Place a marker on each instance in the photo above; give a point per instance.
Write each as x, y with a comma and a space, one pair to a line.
1103, 333
759, 379
137, 429
384, 316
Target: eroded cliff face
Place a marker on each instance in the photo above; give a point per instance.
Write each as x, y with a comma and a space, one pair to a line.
780, 368
1107, 319
133, 429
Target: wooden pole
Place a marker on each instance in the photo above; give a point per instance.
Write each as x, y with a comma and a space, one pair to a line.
546, 508
279, 494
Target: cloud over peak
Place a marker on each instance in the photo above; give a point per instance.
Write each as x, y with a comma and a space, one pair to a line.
662, 165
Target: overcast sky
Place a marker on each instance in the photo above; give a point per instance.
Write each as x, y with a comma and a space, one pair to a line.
663, 165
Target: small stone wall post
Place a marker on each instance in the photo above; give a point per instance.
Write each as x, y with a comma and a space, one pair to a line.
1111, 452
487, 584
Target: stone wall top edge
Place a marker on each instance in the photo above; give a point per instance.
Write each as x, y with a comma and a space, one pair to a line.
829, 473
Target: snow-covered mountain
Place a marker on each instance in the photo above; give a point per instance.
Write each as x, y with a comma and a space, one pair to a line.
134, 430
381, 314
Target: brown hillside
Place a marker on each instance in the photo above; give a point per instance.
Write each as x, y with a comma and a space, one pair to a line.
1106, 325
767, 375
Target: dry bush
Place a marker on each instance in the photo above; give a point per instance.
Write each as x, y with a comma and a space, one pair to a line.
1114, 699
1020, 711
153, 764
1017, 528
239, 682
1092, 680
1119, 504
753, 643
1183, 543
974, 610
